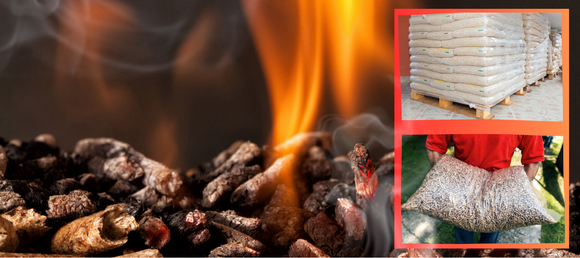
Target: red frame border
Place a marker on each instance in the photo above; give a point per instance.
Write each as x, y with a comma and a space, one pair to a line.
409, 127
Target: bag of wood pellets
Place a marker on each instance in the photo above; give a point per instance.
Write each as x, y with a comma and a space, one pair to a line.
477, 200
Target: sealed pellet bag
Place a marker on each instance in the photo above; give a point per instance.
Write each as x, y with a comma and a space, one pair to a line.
479, 80
475, 22
487, 70
418, 19
477, 200
441, 84
486, 51
469, 60
532, 24
486, 91
427, 73
457, 96
432, 51
474, 41
418, 35
511, 18
424, 28
440, 68
440, 35
424, 43
479, 32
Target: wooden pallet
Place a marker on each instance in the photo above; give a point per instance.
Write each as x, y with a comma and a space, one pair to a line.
438, 101
550, 76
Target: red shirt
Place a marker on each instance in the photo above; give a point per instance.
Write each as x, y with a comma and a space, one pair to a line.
489, 151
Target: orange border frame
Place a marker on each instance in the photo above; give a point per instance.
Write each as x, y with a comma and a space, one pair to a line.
408, 127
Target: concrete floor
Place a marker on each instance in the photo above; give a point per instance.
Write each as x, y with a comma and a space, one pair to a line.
544, 103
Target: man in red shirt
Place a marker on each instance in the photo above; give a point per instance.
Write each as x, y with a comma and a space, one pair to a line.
490, 152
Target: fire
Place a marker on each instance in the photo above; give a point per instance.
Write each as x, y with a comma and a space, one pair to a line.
304, 45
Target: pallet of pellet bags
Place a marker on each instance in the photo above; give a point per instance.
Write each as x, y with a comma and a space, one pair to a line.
476, 200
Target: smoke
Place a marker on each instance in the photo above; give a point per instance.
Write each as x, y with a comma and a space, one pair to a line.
143, 37
368, 129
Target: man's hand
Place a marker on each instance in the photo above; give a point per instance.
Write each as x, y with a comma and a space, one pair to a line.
531, 170
433, 156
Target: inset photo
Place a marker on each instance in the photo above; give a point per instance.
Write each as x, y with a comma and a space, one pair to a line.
482, 189
467, 65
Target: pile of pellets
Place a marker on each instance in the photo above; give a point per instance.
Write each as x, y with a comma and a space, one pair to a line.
105, 198
470, 58
477, 200
537, 29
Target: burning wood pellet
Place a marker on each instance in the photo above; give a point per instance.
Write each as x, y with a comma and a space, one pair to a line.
340, 169
351, 218
246, 153
102, 200
420, 253
134, 207
89, 181
8, 236
249, 226
230, 235
69, 207
154, 231
156, 175
316, 166
9, 200
164, 206
2, 254
388, 160
122, 168
234, 250
258, 189
301, 248
143, 253
221, 187
221, 158
327, 235
3, 163
64, 186
317, 201
301, 143
283, 197
148, 196
93, 234
286, 222
366, 181
341, 191
122, 188
190, 225
29, 225
47, 139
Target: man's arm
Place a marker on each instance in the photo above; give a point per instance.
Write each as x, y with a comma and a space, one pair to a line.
531, 170
434, 156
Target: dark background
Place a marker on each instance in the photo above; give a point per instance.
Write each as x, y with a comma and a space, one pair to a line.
181, 107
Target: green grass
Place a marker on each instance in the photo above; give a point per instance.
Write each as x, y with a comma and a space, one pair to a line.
552, 188
415, 166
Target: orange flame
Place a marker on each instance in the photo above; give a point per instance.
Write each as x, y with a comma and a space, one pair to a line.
303, 42
291, 53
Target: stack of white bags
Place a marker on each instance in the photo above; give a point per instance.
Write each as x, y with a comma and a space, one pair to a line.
471, 58
537, 29
556, 38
